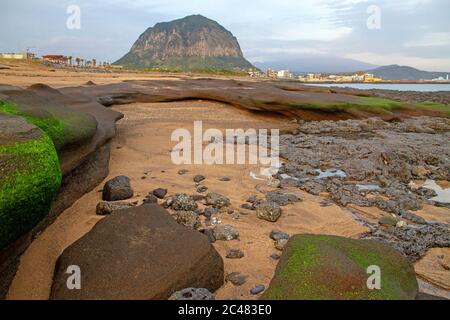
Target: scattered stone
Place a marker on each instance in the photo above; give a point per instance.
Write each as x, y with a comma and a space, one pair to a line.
236, 278
225, 232
150, 198
209, 234
182, 171
278, 235
193, 294
199, 178
189, 219
150, 235
281, 198
252, 199
275, 256
388, 221
247, 206
118, 188
235, 254
217, 201
280, 244
202, 189
268, 211
105, 207
210, 211
160, 193
225, 179
183, 202
230, 211
257, 289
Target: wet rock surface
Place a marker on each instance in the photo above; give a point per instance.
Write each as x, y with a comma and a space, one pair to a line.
374, 163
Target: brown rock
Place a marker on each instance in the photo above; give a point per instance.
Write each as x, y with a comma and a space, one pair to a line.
140, 253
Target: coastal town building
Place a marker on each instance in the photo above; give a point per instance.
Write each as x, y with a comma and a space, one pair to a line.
17, 56
55, 58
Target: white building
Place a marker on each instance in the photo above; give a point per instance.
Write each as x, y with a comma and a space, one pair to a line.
284, 74
15, 56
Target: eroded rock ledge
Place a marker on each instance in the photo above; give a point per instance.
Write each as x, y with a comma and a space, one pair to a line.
80, 129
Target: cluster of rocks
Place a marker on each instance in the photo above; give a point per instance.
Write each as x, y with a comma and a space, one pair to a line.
372, 163
269, 209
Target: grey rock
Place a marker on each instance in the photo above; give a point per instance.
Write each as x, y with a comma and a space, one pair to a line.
281, 198
199, 178
210, 211
192, 294
189, 219
183, 202
268, 211
202, 189
257, 289
182, 172
225, 179
150, 198
225, 232
105, 207
275, 256
217, 200
236, 278
277, 235
118, 188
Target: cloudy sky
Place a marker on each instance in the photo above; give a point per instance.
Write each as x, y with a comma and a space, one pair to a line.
412, 32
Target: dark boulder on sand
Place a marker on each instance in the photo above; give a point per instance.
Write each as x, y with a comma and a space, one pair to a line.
118, 188
139, 253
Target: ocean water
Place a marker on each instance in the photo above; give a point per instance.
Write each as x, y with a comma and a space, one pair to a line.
423, 87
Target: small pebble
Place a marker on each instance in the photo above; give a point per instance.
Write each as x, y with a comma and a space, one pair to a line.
258, 289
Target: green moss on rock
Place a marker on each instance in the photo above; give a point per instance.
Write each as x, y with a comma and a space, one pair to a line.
319, 267
28, 185
63, 126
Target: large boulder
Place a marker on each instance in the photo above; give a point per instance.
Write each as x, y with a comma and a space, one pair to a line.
139, 253
29, 176
319, 267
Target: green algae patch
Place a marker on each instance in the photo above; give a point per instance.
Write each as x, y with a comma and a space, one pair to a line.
320, 267
30, 176
63, 126
374, 105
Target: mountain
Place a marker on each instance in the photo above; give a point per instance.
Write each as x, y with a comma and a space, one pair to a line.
192, 43
317, 63
396, 72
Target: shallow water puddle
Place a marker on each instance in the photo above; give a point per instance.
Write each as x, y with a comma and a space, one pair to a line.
443, 194
330, 174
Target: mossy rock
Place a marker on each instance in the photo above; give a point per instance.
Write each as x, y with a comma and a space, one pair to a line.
30, 176
320, 267
62, 125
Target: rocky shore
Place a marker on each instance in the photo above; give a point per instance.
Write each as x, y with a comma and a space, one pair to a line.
368, 183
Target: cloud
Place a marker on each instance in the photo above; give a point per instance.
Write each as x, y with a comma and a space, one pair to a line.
417, 30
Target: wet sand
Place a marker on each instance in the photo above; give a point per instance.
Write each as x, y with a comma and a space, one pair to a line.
142, 149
